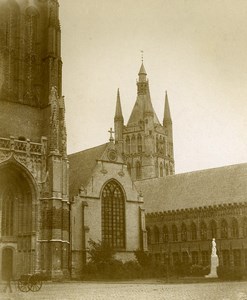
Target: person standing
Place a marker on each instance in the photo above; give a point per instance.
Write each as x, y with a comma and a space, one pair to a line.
8, 277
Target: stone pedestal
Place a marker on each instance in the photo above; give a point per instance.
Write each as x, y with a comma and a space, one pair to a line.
214, 265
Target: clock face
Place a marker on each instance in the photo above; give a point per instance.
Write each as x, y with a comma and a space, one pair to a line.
112, 155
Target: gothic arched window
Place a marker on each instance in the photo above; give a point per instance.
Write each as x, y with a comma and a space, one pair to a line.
184, 233
113, 215
245, 227
161, 170
139, 143
165, 234
9, 39
203, 231
167, 170
193, 231
174, 233
156, 234
133, 144
138, 170
148, 235
235, 231
213, 229
7, 214
224, 229
157, 144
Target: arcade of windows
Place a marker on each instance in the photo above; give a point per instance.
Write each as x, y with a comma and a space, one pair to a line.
194, 232
113, 215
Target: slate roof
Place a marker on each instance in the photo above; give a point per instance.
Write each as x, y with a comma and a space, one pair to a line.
143, 103
81, 167
200, 188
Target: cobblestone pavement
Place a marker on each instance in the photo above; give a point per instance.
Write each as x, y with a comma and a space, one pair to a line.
134, 290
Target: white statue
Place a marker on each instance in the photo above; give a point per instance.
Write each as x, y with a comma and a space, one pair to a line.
213, 248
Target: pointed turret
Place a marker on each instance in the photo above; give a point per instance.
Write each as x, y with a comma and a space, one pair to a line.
167, 114
119, 123
142, 74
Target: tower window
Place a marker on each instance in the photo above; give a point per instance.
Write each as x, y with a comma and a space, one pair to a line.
139, 143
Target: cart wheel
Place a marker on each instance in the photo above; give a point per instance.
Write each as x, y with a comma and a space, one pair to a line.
23, 285
35, 286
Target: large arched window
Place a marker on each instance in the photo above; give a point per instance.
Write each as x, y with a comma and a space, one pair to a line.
183, 232
113, 215
138, 170
213, 229
224, 229
9, 39
235, 231
193, 231
31, 61
156, 234
203, 231
165, 234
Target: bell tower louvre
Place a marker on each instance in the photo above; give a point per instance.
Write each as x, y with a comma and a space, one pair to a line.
34, 205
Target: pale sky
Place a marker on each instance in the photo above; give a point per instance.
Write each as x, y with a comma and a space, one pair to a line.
194, 49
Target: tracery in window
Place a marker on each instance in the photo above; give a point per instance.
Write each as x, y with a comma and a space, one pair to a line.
113, 215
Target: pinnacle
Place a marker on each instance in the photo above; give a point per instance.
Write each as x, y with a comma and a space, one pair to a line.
167, 113
118, 113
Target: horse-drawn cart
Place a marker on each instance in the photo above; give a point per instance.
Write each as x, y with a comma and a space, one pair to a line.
30, 282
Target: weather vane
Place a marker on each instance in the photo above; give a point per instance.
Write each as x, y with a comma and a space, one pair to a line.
142, 52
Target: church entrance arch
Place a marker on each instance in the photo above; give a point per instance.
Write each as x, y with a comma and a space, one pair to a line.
17, 218
7, 263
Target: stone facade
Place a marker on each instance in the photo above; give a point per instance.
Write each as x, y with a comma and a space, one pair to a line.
118, 220
186, 235
34, 203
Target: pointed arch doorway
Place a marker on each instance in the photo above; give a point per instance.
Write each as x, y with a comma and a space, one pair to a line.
7, 263
17, 220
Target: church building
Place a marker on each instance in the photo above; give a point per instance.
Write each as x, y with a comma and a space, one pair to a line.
124, 192
34, 202
105, 205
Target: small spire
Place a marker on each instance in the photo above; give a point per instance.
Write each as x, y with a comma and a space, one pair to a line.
167, 113
118, 113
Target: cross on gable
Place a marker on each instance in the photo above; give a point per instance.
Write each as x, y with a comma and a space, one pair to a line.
111, 135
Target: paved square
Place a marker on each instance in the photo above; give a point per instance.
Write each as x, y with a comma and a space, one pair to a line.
135, 290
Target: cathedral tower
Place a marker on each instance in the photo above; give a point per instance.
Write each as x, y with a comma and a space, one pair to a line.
34, 207
147, 146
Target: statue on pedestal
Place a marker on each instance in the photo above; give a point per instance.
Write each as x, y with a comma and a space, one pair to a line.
214, 261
